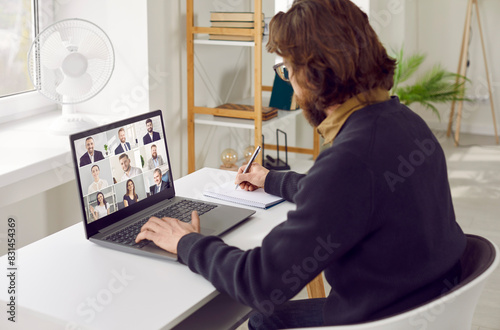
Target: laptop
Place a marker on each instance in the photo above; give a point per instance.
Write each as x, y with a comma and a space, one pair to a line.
124, 177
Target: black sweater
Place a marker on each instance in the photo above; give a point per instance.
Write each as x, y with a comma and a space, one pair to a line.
374, 212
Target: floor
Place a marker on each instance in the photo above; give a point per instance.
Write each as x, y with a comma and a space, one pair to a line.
474, 175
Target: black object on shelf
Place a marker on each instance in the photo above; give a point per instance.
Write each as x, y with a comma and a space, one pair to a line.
276, 164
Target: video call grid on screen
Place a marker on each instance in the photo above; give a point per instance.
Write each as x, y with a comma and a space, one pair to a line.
105, 173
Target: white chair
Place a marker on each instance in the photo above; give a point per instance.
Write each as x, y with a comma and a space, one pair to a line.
453, 310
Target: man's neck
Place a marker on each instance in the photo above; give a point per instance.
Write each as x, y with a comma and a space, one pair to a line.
91, 154
331, 109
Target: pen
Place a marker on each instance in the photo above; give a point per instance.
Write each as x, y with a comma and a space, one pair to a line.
255, 153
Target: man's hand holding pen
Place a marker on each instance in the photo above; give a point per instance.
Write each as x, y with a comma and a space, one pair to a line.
253, 179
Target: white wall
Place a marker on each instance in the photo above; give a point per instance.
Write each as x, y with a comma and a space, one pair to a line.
444, 47
125, 22
41, 215
435, 28
166, 38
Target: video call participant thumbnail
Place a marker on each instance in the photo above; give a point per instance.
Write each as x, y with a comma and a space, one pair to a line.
124, 145
159, 185
130, 197
129, 170
102, 208
98, 183
155, 159
91, 155
151, 136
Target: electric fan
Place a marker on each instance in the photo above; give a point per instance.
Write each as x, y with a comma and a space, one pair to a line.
70, 62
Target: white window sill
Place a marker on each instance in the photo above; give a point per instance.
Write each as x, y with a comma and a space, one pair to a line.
33, 159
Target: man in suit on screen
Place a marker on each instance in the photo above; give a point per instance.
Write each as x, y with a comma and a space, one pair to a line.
124, 145
151, 136
159, 185
91, 155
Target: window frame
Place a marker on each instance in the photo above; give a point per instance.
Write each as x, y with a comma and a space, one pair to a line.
26, 103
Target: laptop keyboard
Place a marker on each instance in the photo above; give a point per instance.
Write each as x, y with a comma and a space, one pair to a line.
180, 210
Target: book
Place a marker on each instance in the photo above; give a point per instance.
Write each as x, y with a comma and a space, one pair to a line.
232, 24
267, 112
257, 198
229, 37
282, 96
232, 16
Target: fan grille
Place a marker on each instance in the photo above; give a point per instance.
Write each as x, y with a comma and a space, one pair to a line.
51, 47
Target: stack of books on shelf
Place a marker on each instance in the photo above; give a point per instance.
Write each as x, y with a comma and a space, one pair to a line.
267, 112
236, 20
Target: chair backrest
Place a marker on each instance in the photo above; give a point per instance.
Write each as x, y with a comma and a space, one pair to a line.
454, 309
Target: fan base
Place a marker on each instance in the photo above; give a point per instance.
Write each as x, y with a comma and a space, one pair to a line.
71, 123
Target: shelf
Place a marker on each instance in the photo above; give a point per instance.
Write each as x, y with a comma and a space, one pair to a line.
242, 123
203, 115
203, 40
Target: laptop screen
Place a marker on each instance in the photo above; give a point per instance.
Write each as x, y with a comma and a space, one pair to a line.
122, 166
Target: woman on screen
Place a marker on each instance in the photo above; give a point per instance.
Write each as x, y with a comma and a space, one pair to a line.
98, 183
102, 208
130, 197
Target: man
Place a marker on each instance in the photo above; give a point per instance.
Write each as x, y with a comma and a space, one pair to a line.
155, 159
91, 155
123, 146
151, 136
374, 212
159, 185
98, 184
129, 171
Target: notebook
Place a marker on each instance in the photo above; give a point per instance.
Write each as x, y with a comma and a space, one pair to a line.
257, 198
124, 177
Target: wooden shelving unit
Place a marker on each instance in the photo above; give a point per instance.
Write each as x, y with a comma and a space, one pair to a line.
255, 116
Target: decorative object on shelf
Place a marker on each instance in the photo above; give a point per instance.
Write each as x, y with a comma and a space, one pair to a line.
267, 112
282, 96
229, 158
435, 86
247, 153
276, 164
233, 20
106, 149
70, 62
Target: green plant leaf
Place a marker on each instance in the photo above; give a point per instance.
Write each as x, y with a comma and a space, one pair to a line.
406, 67
437, 85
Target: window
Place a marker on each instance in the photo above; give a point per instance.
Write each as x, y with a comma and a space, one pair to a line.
19, 20
17, 29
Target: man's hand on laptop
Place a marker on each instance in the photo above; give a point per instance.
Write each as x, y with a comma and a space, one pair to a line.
167, 232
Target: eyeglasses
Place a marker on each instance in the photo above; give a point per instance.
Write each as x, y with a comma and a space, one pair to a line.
282, 71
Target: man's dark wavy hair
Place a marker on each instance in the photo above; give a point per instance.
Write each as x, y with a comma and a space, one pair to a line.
331, 47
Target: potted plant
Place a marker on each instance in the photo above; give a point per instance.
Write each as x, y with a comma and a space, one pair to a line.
435, 86
106, 149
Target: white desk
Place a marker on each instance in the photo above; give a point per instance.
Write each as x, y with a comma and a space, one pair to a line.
67, 282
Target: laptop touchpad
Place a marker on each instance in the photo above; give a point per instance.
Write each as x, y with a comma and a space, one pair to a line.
207, 231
